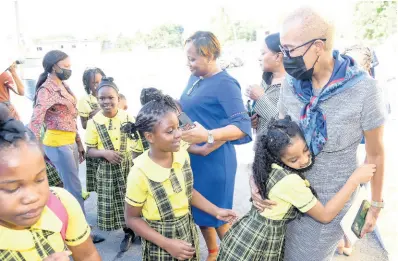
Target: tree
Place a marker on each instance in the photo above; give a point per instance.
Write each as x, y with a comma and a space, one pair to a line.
164, 36
375, 20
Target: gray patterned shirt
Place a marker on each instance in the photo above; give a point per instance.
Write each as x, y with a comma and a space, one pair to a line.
267, 106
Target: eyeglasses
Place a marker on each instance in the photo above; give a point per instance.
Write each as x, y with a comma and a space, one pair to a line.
286, 52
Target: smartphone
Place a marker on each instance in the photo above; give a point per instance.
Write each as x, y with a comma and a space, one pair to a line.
359, 220
185, 122
249, 108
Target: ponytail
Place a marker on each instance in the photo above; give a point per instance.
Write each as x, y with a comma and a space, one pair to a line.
42, 78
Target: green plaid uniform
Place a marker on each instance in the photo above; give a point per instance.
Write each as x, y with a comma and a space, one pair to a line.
42, 246
91, 163
91, 174
255, 237
182, 228
111, 183
54, 180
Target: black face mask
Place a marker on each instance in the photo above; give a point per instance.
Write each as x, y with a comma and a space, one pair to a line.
296, 68
63, 74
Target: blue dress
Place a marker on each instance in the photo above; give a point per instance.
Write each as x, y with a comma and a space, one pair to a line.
216, 102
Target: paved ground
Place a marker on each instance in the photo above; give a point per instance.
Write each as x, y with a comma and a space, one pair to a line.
367, 249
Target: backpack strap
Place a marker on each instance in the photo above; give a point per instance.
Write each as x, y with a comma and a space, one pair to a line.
55, 204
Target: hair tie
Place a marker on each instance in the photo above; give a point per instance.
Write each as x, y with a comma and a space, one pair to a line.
130, 129
12, 130
108, 82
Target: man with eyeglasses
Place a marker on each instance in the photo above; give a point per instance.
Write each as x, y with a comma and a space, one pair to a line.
336, 103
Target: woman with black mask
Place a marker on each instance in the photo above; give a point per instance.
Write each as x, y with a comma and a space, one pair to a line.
265, 97
55, 108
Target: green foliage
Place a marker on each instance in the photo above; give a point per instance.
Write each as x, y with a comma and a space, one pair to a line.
228, 30
164, 36
375, 20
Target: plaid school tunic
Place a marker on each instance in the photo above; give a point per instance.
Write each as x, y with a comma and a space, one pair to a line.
111, 183
255, 237
182, 228
164, 194
53, 177
43, 238
85, 106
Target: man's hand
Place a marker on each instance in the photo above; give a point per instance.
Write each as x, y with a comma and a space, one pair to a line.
370, 221
258, 201
255, 92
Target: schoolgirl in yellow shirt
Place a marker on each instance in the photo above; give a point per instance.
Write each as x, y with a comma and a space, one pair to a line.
36, 223
160, 188
113, 150
280, 159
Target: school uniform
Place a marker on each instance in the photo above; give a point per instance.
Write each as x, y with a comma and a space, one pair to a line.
260, 236
165, 197
104, 134
45, 237
85, 106
54, 180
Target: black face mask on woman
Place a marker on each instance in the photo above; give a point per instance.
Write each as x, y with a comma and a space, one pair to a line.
295, 66
63, 74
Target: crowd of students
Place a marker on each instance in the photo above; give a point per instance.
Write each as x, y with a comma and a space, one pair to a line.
157, 176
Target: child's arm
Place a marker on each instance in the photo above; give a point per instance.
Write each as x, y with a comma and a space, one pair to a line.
85, 251
177, 248
203, 204
112, 156
327, 213
205, 149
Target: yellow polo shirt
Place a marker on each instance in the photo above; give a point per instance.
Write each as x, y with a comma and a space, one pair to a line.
83, 105
92, 137
290, 190
23, 241
139, 194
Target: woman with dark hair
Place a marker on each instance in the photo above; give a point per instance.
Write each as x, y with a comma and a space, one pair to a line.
55, 108
266, 96
213, 99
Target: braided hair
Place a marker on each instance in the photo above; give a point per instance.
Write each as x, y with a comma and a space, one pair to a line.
13, 131
270, 148
89, 74
149, 115
149, 94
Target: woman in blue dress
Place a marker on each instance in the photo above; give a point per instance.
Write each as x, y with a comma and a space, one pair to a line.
213, 100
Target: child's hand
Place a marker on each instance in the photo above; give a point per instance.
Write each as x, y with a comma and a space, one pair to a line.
364, 173
180, 249
61, 256
112, 156
226, 215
